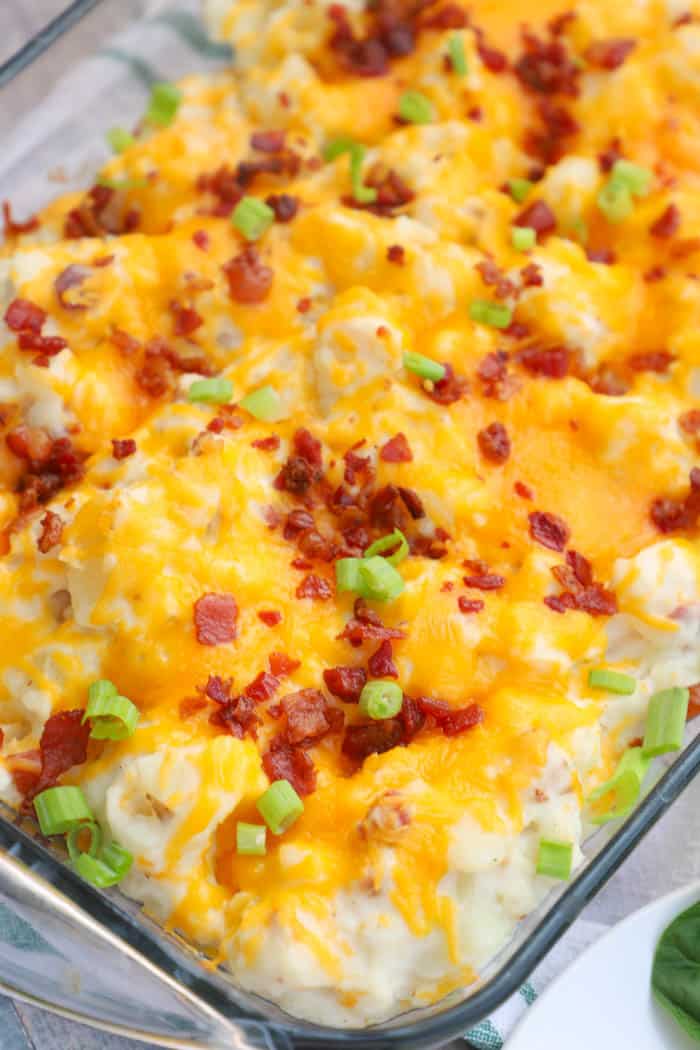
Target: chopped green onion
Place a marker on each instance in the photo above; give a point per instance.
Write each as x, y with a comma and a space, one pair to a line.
626, 782
424, 367
346, 574
455, 49
665, 726
252, 217
263, 403
611, 681
250, 839
336, 148
614, 201
73, 840
96, 871
119, 139
117, 858
378, 580
113, 717
386, 543
59, 809
380, 700
415, 108
280, 806
635, 179
523, 238
495, 315
211, 391
164, 104
519, 189
554, 859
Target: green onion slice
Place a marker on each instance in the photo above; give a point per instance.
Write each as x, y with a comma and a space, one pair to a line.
164, 104
666, 718
58, 809
455, 49
211, 391
381, 699
523, 238
554, 859
626, 783
263, 403
117, 858
611, 681
635, 179
113, 717
519, 189
614, 201
347, 577
386, 543
89, 827
280, 806
344, 144
416, 108
495, 315
424, 367
119, 139
378, 580
252, 217
250, 839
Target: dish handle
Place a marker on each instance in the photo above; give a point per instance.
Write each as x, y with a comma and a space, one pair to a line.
54, 955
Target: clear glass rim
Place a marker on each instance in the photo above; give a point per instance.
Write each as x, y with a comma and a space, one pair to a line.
42, 41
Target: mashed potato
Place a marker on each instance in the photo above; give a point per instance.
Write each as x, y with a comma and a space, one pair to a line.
537, 458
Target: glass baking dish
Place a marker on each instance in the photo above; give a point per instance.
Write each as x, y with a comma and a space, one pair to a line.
93, 955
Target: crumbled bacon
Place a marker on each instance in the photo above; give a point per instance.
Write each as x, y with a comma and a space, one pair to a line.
667, 224
356, 466
218, 689
63, 744
249, 280
539, 217
13, 228
236, 716
494, 378
694, 701
282, 665
606, 256
448, 389
24, 316
651, 361
689, 422
549, 529
552, 362
270, 617
545, 66
123, 447
381, 662
523, 490
51, 531
297, 521
485, 581
392, 192
51, 465
610, 155
190, 706
494, 60
558, 125
304, 305
494, 443
283, 761
161, 363
396, 450
102, 210
608, 380
361, 741
345, 682
412, 502
315, 587
268, 141
283, 205
201, 239
267, 444
493, 277
670, 515
309, 717
470, 605
215, 619
531, 276
609, 54
367, 626
32, 444
186, 320
451, 720
396, 253
263, 687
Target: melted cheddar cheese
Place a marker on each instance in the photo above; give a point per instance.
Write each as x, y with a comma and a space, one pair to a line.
123, 503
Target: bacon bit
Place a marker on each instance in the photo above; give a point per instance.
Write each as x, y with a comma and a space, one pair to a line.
267, 444
396, 253
285, 762
557, 126
475, 113
218, 689
523, 490
52, 464
125, 343
282, 665
262, 688
549, 529
160, 365
201, 239
345, 682
237, 717
412, 502
123, 447
411, 718
451, 720
670, 515
29, 443
381, 662
392, 192
314, 587
191, 706
694, 701
610, 155
23, 316
450, 16
494, 378
494, 443
304, 305
12, 227
551, 362
308, 447
689, 422
25, 768
396, 450
72, 277
449, 389
51, 531
609, 381
667, 223
249, 280
601, 255
469, 605
595, 600
493, 277
271, 517
609, 54
356, 466
494, 60
531, 276
487, 581
304, 468
102, 210
545, 66
270, 617
366, 626
652, 361
63, 745
655, 273
283, 205
301, 563
268, 141
539, 217
297, 521
215, 619
185, 319
359, 742
309, 717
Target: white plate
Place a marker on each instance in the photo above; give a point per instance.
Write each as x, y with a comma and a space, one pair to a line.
603, 1001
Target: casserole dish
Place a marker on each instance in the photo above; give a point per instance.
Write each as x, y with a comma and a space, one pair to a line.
180, 1000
